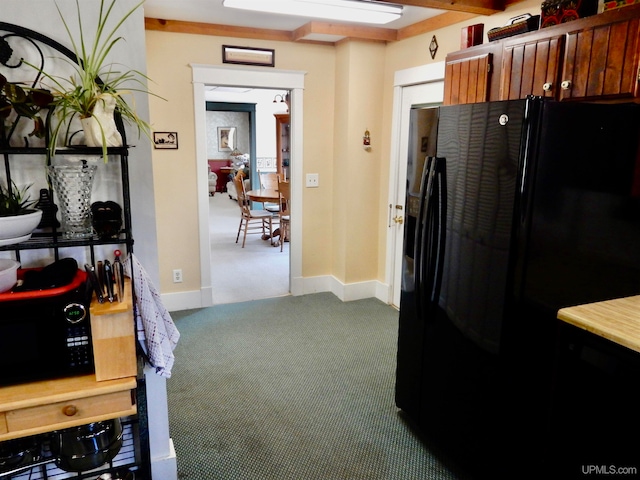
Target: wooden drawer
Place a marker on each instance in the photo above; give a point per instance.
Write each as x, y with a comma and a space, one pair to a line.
70, 413
45, 406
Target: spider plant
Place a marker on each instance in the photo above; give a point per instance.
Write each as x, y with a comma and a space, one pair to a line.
15, 201
93, 78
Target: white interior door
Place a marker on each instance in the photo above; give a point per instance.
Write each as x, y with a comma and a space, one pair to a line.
429, 93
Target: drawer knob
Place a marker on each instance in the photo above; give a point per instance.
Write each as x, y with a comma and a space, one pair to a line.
566, 85
547, 87
70, 410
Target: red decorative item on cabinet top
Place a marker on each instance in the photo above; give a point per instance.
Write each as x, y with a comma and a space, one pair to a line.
555, 12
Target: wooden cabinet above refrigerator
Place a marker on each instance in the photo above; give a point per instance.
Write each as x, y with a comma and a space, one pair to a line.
593, 58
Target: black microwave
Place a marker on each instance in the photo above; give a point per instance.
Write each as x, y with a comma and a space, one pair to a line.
46, 334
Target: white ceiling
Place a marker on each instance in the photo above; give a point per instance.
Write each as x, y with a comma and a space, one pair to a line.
212, 11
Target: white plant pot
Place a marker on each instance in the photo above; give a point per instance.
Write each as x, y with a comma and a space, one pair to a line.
18, 228
100, 123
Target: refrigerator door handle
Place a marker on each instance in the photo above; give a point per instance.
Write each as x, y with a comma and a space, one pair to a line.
532, 115
440, 230
426, 185
431, 240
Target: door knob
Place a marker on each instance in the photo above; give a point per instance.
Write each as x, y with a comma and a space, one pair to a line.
399, 220
547, 87
566, 85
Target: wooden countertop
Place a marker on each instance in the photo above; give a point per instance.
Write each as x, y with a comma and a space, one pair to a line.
616, 320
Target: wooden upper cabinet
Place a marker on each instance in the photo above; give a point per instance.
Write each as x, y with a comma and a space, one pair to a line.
602, 62
531, 68
467, 80
592, 58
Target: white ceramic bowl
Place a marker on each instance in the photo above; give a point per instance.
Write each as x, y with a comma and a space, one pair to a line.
8, 274
19, 226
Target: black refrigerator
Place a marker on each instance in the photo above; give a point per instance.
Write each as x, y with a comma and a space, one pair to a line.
518, 209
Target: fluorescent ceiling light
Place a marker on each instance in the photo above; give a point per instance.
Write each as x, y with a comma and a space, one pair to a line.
346, 10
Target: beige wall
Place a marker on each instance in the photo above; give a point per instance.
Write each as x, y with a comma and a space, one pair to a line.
169, 56
359, 88
348, 89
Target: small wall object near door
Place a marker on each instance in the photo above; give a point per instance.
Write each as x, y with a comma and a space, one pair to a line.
165, 140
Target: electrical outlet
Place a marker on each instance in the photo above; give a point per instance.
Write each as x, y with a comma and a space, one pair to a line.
312, 180
177, 275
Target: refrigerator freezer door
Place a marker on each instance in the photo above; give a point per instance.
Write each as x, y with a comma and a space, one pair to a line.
482, 144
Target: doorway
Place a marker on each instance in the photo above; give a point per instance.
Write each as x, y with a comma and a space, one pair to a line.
242, 136
420, 86
231, 76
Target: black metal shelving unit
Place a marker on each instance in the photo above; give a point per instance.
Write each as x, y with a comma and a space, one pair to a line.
51, 239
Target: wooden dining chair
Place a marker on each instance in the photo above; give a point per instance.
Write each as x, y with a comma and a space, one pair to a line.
251, 221
269, 181
284, 191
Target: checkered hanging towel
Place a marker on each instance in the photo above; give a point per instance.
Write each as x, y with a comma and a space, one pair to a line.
157, 334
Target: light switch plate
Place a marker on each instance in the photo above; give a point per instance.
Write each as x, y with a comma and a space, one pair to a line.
312, 180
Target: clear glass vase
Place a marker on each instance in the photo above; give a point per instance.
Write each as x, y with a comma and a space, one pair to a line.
72, 185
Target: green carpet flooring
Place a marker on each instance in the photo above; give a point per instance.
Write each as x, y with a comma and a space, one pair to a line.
292, 388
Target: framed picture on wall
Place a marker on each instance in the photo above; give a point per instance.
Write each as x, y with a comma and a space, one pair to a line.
226, 139
264, 57
165, 140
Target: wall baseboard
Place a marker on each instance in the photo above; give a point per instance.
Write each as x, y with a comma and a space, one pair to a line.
165, 468
299, 286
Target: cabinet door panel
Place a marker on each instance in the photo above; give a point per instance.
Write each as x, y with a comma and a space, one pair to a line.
467, 81
528, 67
602, 62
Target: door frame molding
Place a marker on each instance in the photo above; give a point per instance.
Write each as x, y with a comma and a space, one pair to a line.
232, 76
433, 72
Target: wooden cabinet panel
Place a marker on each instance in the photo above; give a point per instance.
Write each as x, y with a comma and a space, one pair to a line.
531, 68
467, 80
3, 424
602, 62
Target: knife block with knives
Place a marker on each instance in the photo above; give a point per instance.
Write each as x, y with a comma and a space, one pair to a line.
113, 336
107, 279
112, 322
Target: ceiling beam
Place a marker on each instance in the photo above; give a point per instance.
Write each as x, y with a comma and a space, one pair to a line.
479, 7
434, 23
179, 26
349, 31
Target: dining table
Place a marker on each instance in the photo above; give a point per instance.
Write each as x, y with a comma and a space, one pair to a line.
266, 195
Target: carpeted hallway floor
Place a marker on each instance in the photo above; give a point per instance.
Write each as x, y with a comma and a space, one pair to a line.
292, 388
